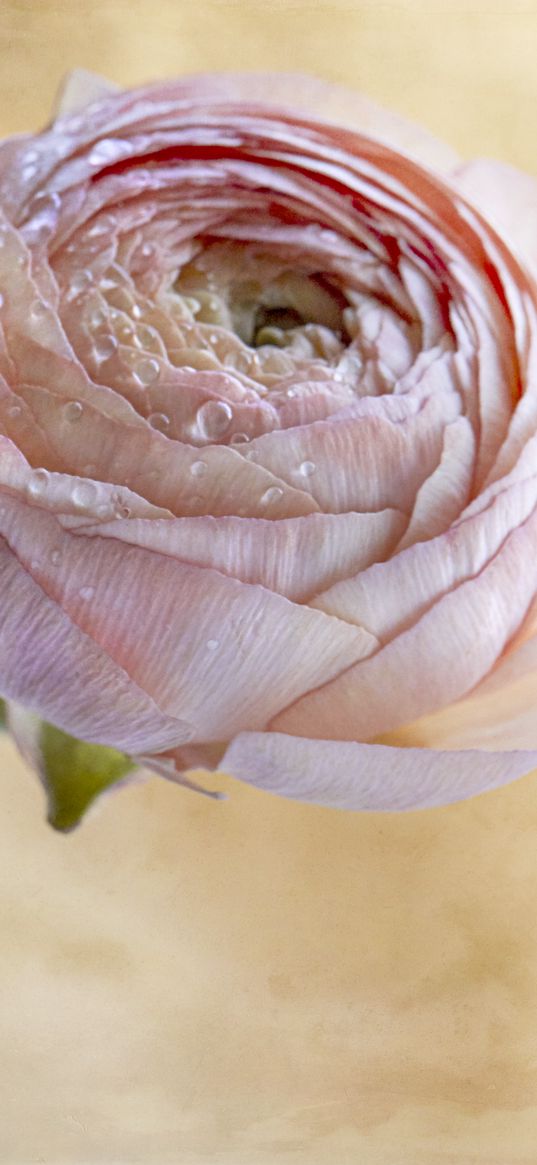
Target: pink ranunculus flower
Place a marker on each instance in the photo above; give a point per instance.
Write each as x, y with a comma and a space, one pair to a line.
268, 452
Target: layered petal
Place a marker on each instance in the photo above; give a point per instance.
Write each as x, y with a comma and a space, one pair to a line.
350, 775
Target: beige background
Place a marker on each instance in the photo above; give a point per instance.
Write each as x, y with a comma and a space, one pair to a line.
256, 982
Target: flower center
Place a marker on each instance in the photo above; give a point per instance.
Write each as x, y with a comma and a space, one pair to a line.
257, 298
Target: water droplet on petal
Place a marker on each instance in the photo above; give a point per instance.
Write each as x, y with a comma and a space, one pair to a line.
14, 411
102, 226
198, 468
306, 468
45, 202
73, 410
55, 557
84, 494
86, 593
239, 439
80, 282
212, 644
96, 317
38, 482
147, 250
37, 231
108, 151
273, 494
159, 421
29, 171
39, 309
136, 311
147, 371
105, 346
120, 509
214, 418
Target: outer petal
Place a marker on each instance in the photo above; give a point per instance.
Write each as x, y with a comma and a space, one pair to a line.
436, 661
296, 557
318, 98
500, 713
368, 776
52, 667
329, 102
210, 650
507, 198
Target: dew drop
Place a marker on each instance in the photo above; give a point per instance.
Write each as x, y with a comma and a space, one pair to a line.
37, 483
28, 171
14, 411
147, 250
55, 557
73, 410
136, 311
198, 468
214, 418
80, 282
39, 309
212, 644
86, 593
306, 468
213, 338
121, 511
241, 362
102, 226
105, 346
273, 494
147, 370
107, 151
239, 439
84, 494
45, 202
38, 231
96, 317
159, 421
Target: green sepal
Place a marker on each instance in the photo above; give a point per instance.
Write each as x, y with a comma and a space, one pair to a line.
75, 773
2, 715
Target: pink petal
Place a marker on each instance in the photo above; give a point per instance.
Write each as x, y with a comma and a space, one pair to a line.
434, 662
390, 597
498, 714
443, 495
80, 88
296, 557
363, 463
210, 650
507, 198
52, 667
368, 776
